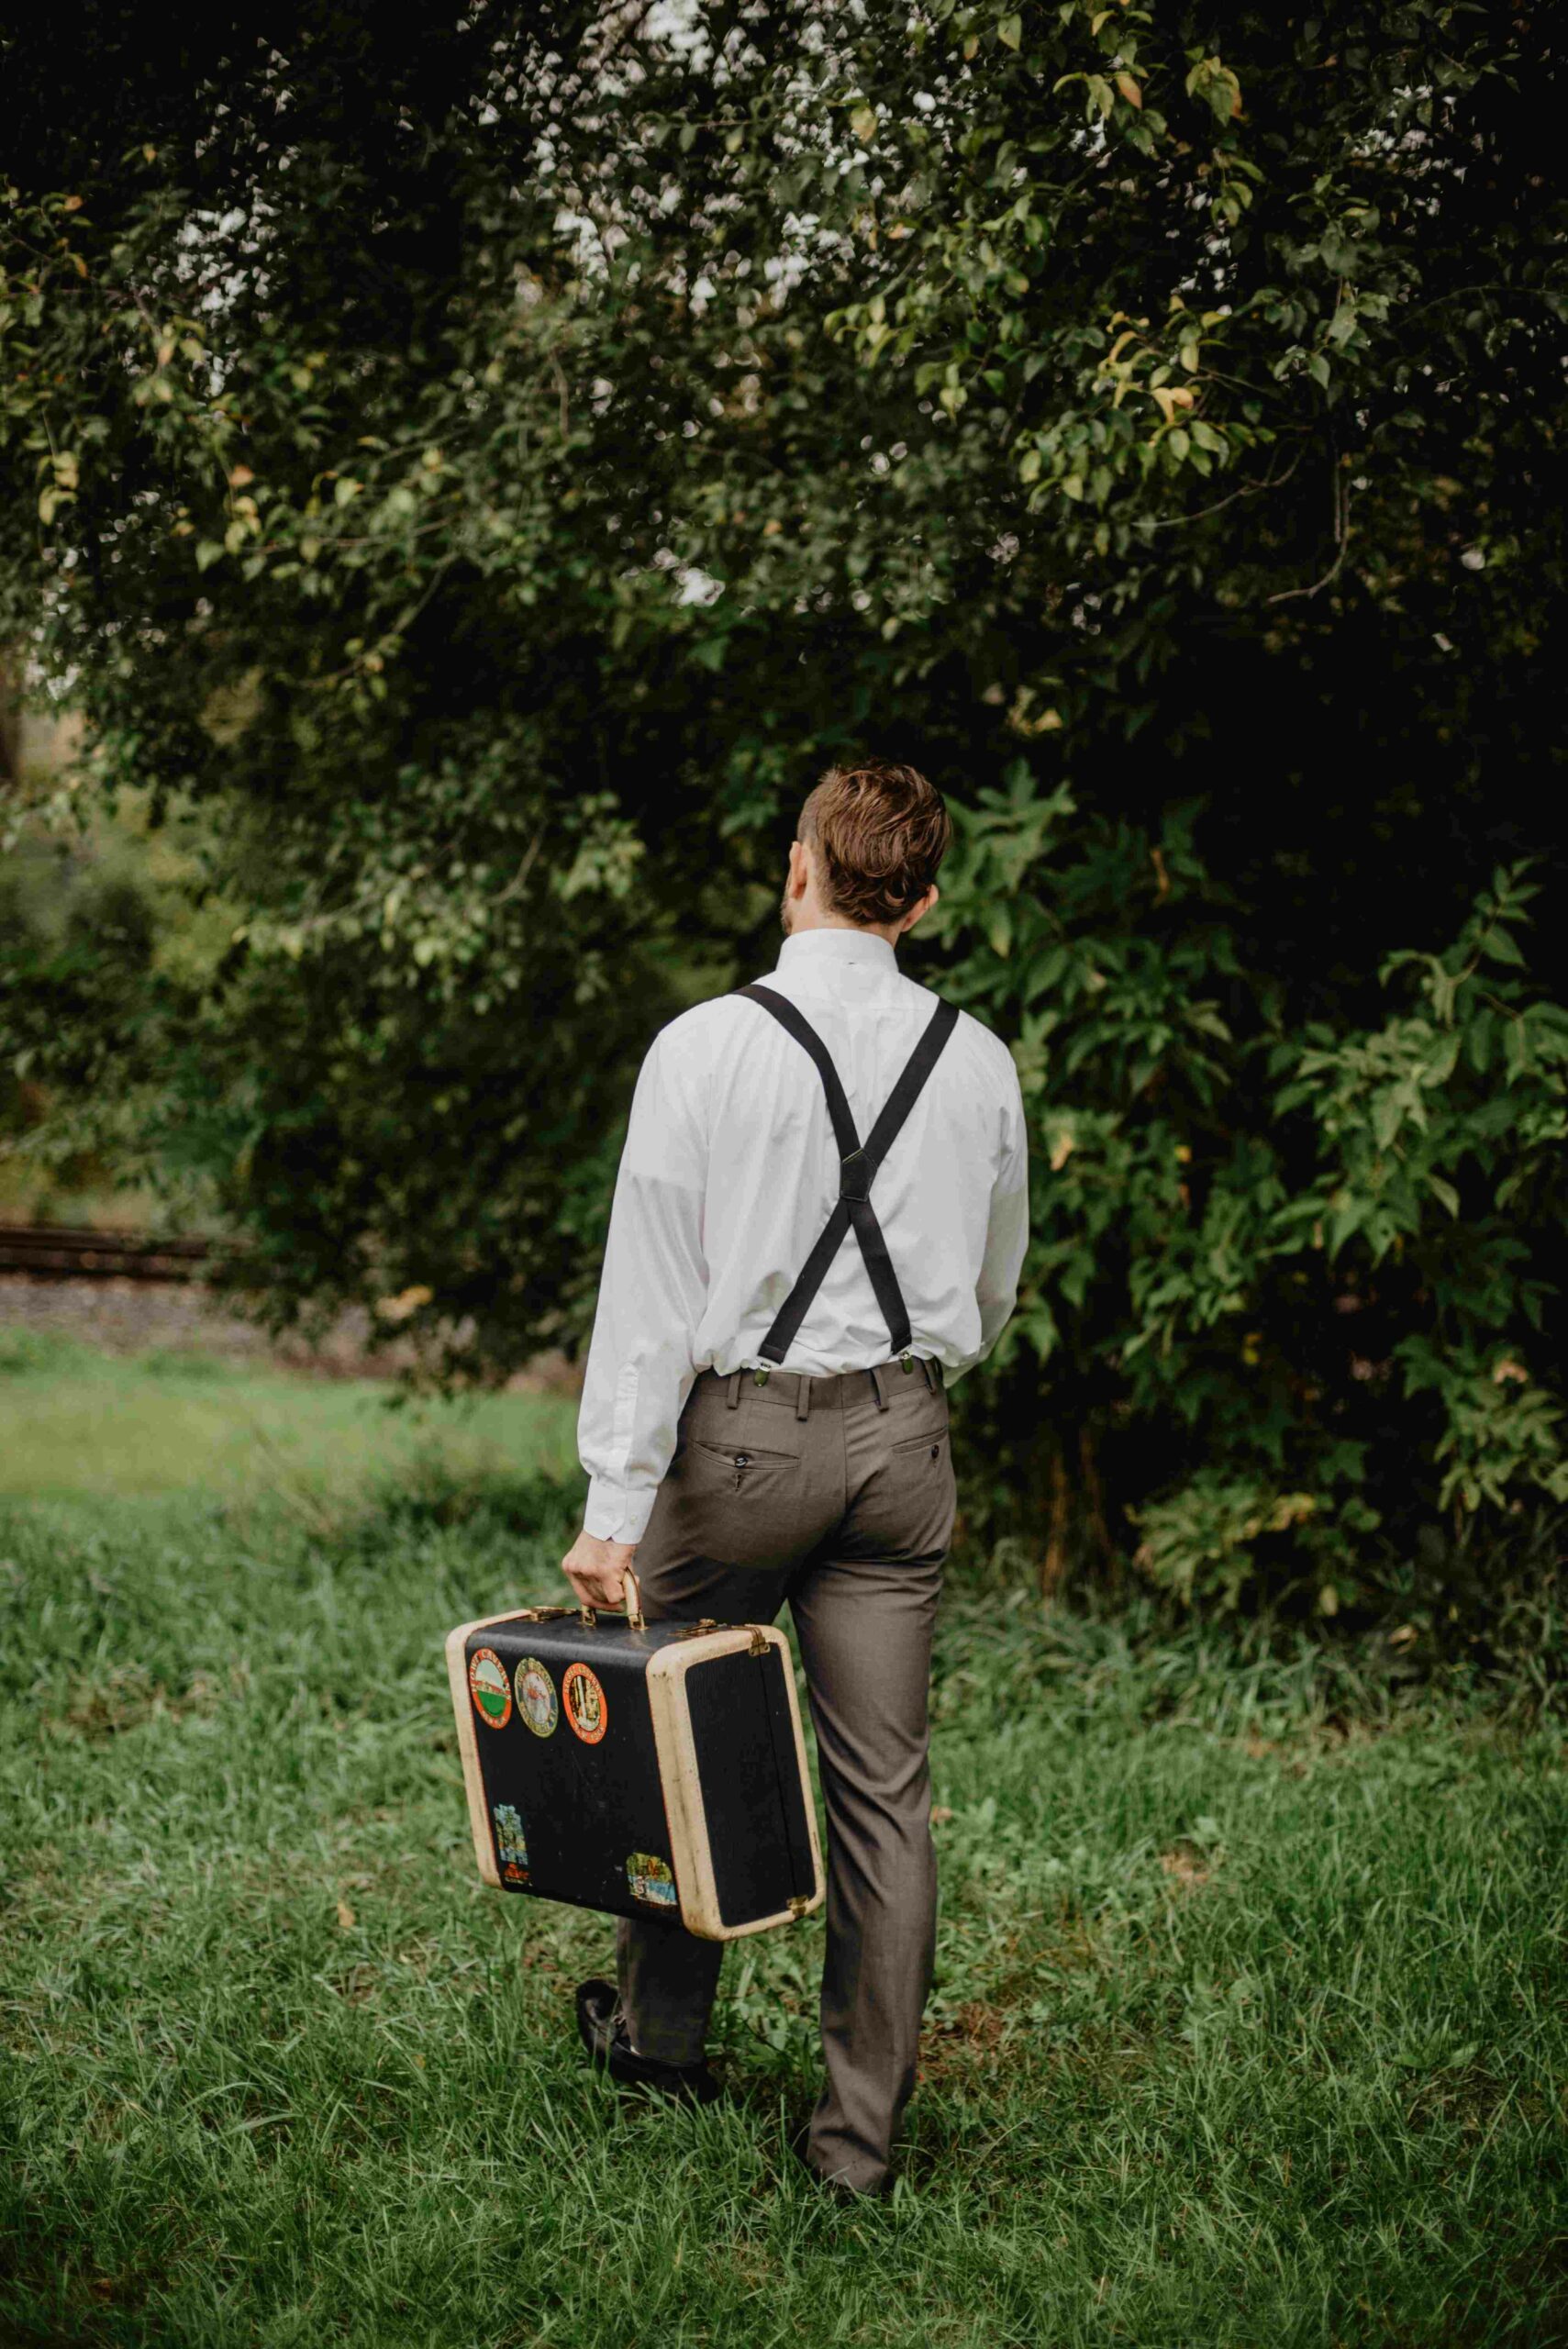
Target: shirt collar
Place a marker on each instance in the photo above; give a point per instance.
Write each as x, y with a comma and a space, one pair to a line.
828, 950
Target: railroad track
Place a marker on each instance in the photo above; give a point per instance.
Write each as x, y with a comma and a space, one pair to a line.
59, 1252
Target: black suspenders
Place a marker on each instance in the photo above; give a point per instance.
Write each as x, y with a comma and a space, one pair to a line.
858, 1163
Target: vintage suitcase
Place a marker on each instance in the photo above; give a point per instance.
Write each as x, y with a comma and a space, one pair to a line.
647, 1770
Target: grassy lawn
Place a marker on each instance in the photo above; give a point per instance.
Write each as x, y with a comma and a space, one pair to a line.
75, 1423
1249, 2023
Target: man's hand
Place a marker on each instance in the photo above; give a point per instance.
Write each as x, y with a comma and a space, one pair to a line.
596, 1569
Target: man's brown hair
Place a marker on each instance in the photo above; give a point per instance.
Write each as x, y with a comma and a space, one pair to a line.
880, 832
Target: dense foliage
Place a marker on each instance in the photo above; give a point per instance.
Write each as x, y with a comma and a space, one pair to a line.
490, 470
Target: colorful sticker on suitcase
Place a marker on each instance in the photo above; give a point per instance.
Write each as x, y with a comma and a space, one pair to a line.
651, 1880
489, 1689
584, 1702
511, 1843
536, 1695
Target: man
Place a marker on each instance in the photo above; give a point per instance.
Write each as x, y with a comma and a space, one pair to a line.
820, 1218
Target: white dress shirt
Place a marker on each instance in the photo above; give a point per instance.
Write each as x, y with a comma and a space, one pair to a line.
729, 1172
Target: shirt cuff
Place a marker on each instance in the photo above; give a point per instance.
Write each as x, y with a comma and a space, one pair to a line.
616, 1512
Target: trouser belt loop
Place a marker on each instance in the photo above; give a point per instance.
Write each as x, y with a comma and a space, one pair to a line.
875, 1377
732, 1391
929, 1366
802, 1395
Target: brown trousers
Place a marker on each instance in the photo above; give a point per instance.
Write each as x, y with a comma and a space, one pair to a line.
836, 1495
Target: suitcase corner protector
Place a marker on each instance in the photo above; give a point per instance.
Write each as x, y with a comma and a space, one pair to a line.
703, 1922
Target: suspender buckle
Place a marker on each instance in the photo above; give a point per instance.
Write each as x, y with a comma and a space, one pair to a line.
854, 1176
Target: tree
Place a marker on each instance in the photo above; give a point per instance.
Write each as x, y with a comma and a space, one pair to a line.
497, 468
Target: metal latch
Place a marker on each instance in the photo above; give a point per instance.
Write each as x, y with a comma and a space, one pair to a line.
761, 1643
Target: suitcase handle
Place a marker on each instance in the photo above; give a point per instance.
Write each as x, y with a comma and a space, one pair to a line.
632, 1600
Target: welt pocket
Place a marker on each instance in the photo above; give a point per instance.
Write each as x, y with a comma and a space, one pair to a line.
930, 1440
742, 1454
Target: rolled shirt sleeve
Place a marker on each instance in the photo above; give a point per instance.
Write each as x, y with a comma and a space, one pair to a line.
651, 1296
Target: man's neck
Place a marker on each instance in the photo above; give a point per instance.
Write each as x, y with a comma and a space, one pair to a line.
801, 928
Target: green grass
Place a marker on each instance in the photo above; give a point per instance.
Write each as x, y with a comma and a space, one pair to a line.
29, 1193
1248, 2025
77, 1423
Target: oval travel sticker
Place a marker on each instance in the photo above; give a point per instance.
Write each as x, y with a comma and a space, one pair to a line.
489, 1689
584, 1702
651, 1880
536, 1695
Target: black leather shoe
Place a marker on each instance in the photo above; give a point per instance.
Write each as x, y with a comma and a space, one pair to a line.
609, 2048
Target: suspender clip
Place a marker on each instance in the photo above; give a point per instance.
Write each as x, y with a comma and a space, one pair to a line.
854, 1176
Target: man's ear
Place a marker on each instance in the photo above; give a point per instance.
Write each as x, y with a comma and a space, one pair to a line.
799, 870
919, 912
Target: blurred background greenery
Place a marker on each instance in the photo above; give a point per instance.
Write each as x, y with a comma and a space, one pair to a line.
464, 523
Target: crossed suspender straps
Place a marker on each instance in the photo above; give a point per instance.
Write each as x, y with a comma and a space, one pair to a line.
858, 1164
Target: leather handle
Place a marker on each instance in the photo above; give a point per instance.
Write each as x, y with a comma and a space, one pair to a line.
631, 1602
